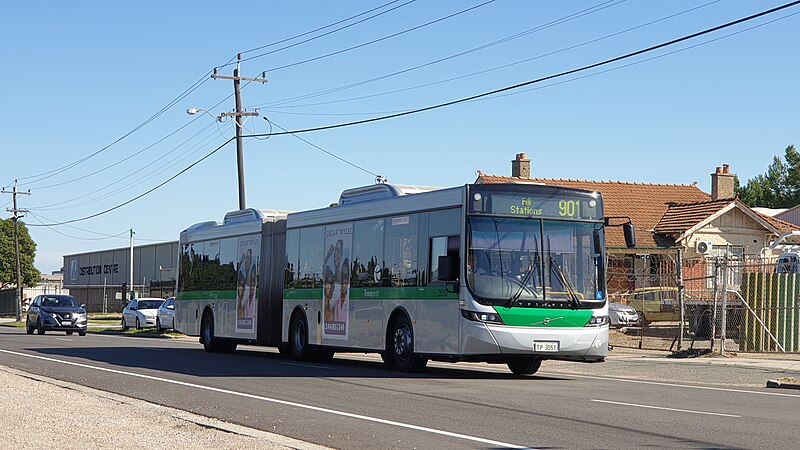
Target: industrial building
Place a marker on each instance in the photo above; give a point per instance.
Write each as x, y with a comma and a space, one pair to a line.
102, 279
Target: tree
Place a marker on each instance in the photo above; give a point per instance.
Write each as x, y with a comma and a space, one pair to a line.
8, 258
779, 187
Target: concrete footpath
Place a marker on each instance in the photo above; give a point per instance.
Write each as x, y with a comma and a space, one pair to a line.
43, 412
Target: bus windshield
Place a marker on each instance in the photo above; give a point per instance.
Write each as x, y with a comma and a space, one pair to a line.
526, 261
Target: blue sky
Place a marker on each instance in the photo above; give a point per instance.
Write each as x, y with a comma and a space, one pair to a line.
79, 75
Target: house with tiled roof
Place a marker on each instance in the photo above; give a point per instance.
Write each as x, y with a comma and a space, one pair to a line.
668, 217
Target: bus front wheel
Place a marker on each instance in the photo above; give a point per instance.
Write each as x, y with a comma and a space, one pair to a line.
524, 365
400, 347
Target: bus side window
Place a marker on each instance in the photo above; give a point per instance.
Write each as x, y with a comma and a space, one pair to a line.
444, 246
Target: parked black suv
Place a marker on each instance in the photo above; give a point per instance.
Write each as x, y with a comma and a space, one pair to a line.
56, 313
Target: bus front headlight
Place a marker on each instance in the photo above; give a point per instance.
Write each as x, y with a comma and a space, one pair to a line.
597, 321
485, 317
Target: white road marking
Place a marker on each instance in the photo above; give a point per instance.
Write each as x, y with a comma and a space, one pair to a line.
663, 408
659, 383
63, 339
590, 377
277, 401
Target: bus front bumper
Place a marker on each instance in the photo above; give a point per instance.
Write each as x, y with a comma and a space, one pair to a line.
588, 344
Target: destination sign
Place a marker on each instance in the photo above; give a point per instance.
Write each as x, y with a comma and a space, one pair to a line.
531, 205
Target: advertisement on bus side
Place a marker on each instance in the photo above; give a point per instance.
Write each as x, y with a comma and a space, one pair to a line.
336, 280
247, 283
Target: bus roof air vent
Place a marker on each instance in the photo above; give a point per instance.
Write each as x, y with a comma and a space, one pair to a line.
197, 226
252, 214
380, 191
243, 215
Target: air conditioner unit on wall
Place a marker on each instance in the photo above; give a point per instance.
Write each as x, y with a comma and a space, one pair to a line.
703, 247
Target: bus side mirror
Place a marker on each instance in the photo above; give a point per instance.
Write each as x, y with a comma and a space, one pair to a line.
598, 246
448, 268
630, 234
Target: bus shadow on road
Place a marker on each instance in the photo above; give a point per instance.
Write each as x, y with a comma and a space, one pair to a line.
258, 363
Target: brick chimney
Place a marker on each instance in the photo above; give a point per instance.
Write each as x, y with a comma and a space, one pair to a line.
521, 166
722, 183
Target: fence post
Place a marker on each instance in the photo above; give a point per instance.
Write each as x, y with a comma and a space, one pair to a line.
713, 321
679, 270
724, 322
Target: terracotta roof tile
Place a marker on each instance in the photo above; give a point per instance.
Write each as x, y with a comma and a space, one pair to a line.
644, 203
682, 216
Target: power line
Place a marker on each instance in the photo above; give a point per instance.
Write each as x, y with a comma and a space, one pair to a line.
329, 32
169, 105
326, 151
105, 236
480, 72
142, 194
549, 77
567, 18
144, 177
642, 61
364, 44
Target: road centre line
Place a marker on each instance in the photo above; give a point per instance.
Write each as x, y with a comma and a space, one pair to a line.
663, 408
592, 377
661, 383
273, 400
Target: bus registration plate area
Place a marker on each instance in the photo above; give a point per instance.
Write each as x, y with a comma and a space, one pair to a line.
545, 346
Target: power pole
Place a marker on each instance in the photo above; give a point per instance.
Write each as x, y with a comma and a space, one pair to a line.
16, 211
237, 115
131, 279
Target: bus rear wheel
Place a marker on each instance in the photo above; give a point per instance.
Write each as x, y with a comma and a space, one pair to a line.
399, 353
524, 365
298, 338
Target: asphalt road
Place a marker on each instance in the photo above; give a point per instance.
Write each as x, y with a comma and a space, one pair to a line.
354, 403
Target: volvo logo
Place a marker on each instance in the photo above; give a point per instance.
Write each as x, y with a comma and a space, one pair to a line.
546, 321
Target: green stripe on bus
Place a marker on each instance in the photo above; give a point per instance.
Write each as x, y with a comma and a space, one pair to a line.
544, 317
206, 295
383, 293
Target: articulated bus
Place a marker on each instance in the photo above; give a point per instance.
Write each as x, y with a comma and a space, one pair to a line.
498, 273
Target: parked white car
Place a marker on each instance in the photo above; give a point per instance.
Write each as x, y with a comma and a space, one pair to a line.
623, 315
165, 319
141, 313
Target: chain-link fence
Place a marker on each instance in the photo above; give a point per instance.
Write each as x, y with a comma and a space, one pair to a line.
728, 303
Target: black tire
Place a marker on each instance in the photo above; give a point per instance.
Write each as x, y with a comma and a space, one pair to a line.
298, 338
525, 365
211, 343
125, 326
28, 327
39, 327
158, 325
81, 333
69, 333
400, 347
138, 324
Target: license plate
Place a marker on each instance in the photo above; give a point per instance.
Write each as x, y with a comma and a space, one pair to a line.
66, 323
549, 346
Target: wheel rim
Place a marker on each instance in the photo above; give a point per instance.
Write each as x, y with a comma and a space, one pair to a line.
403, 340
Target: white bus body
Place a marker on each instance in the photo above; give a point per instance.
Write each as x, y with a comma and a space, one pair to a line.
497, 273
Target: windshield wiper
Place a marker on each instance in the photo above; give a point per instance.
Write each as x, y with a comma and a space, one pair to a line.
576, 303
522, 283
